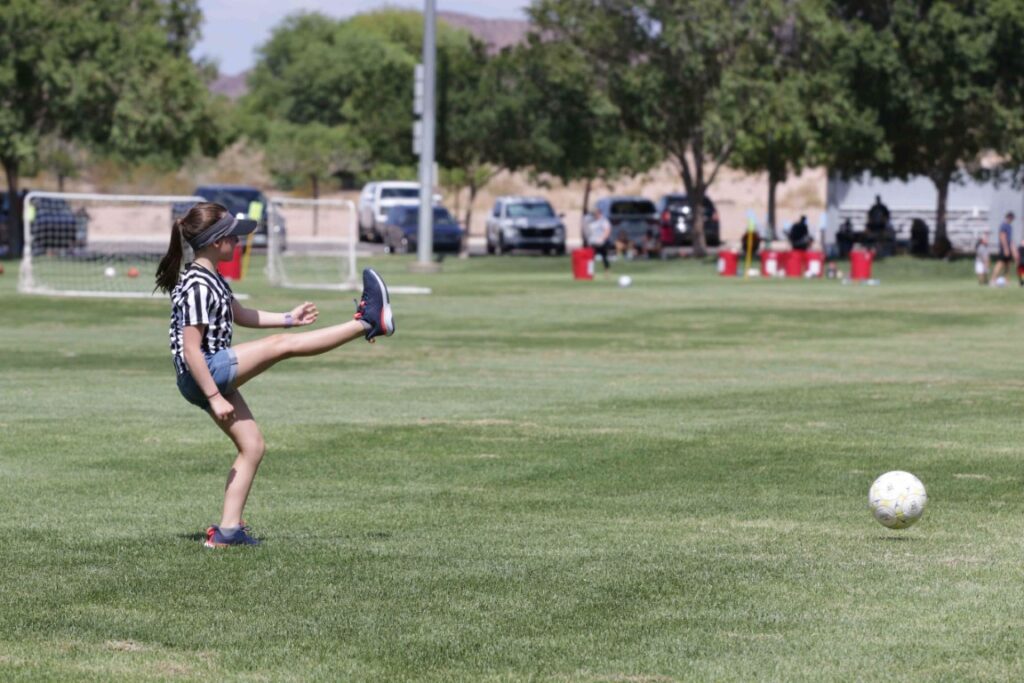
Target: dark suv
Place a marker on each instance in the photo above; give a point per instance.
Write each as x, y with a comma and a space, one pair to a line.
56, 227
636, 216
238, 199
677, 224
400, 231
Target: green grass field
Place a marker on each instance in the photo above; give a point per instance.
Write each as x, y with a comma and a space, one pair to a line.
535, 479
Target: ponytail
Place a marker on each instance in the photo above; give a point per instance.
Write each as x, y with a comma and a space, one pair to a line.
170, 264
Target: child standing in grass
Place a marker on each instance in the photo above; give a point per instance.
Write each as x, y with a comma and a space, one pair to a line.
210, 371
981, 259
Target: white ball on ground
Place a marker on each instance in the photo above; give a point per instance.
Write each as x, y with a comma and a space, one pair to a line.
625, 281
110, 272
897, 499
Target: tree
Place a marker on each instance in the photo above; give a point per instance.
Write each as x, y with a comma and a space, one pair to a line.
313, 152
558, 120
61, 157
935, 74
796, 92
356, 73
680, 72
103, 72
467, 132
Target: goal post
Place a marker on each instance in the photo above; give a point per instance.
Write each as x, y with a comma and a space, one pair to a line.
93, 244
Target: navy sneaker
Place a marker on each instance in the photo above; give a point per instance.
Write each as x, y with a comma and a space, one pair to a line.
375, 306
239, 535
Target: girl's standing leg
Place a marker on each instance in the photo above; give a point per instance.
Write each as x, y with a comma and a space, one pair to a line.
246, 435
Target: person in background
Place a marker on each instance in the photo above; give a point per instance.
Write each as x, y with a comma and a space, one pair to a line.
877, 225
981, 258
1007, 254
599, 232
1020, 263
800, 234
651, 247
623, 245
844, 238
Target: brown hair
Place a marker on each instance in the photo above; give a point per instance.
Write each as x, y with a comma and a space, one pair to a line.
199, 218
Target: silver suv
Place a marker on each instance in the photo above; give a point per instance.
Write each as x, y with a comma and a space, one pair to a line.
524, 223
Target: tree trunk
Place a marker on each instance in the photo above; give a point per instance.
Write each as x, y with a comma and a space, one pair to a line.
700, 245
773, 182
14, 236
586, 210
942, 245
60, 182
473, 189
316, 208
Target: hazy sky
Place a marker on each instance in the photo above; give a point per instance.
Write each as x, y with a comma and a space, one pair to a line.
232, 29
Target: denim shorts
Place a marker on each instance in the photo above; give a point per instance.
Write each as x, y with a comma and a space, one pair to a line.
223, 366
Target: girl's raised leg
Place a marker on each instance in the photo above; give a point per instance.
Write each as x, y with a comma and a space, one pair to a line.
256, 356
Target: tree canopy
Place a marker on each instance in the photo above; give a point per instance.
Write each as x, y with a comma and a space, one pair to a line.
113, 74
943, 81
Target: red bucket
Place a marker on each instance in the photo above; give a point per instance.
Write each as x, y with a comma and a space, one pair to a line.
728, 261
583, 263
860, 265
795, 263
232, 269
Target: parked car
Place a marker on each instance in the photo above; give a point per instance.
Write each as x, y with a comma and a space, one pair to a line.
239, 199
14, 233
400, 230
377, 198
524, 223
635, 215
56, 226
676, 223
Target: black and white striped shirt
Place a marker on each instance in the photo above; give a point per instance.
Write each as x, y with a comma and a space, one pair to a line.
200, 298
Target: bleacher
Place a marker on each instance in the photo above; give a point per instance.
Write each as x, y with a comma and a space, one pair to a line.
963, 226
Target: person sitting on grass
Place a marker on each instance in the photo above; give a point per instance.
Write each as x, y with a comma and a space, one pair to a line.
623, 245
651, 247
210, 371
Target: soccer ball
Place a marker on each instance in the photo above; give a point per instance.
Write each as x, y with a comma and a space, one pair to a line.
897, 499
110, 272
625, 281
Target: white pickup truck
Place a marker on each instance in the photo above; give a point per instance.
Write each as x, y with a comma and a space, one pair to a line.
378, 197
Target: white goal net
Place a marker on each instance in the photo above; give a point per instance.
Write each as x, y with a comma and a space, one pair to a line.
312, 243
81, 244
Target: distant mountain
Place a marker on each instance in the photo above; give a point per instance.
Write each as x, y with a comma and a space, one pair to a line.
495, 33
232, 86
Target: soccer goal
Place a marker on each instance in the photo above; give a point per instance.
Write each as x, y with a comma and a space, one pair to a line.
82, 244
314, 244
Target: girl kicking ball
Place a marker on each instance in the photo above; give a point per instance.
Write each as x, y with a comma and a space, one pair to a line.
210, 371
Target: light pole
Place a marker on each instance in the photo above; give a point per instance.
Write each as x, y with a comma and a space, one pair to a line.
425, 241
